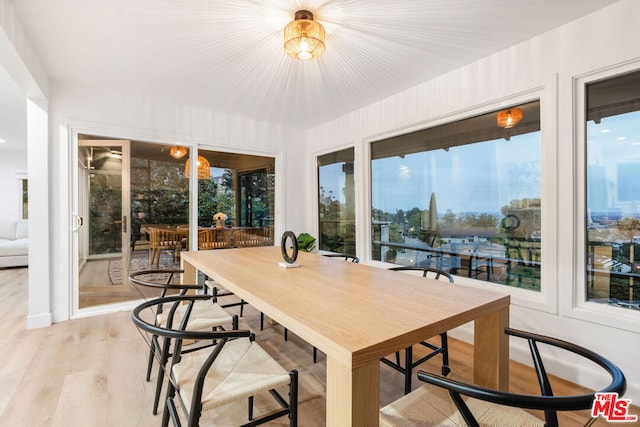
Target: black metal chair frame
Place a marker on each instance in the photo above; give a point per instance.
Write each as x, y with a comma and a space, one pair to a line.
346, 257
219, 339
409, 363
219, 294
547, 402
162, 352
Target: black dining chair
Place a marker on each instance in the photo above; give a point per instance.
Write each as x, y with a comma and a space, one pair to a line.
346, 257
210, 385
444, 401
207, 315
222, 293
443, 349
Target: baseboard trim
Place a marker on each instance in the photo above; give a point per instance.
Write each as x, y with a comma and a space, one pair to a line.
39, 321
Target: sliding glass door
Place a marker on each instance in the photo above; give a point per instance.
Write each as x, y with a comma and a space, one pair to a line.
126, 191
102, 222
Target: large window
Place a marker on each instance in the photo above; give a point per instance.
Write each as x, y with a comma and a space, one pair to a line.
336, 202
613, 191
464, 197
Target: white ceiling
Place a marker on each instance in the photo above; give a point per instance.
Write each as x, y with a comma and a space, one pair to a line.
227, 55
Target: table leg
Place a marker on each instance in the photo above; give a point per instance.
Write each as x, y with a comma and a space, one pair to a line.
491, 350
353, 394
190, 275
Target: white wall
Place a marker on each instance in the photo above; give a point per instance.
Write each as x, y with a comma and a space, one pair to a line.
19, 60
12, 163
546, 65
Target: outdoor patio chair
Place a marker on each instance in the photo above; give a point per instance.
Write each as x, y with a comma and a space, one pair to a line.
214, 238
161, 239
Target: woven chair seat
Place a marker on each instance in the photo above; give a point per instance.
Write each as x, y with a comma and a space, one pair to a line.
242, 369
204, 316
432, 406
222, 292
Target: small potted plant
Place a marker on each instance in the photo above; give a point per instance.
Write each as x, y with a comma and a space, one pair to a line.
220, 218
306, 242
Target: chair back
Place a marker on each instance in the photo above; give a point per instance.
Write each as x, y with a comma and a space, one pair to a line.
248, 237
427, 272
346, 257
546, 402
144, 318
160, 238
163, 281
267, 235
213, 238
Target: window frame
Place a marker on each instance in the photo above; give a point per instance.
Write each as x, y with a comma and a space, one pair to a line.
576, 305
317, 204
544, 90
315, 222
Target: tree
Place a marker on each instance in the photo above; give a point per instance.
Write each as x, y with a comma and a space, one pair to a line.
483, 220
414, 220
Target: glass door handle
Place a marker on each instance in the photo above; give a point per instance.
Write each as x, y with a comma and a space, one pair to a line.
78, 221
124, 223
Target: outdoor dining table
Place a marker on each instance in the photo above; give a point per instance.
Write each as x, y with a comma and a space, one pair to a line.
356, 314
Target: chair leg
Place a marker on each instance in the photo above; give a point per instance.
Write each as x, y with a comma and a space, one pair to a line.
242, 303
293, 399
445, 355
315, 355
408, 361
286, 334
164, 357
261, 320
152, 347
171, 392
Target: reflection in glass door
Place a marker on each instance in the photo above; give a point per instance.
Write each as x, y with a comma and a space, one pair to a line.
103, 227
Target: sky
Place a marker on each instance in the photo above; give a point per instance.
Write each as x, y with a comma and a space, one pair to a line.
480, 177
613, 160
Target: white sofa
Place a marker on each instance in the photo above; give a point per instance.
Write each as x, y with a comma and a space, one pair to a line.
14, 244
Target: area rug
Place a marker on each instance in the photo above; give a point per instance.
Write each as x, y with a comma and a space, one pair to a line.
139, 261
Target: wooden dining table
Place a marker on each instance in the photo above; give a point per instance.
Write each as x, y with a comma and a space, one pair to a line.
357, 314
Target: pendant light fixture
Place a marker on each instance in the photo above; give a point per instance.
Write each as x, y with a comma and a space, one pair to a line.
204, 169
178, 152
304, 37
509, 118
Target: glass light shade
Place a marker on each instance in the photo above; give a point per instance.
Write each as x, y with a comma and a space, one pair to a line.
509, 118
204, 169
304, 37
178, 151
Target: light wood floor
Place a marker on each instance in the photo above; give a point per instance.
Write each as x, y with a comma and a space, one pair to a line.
90, 372
98, 288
